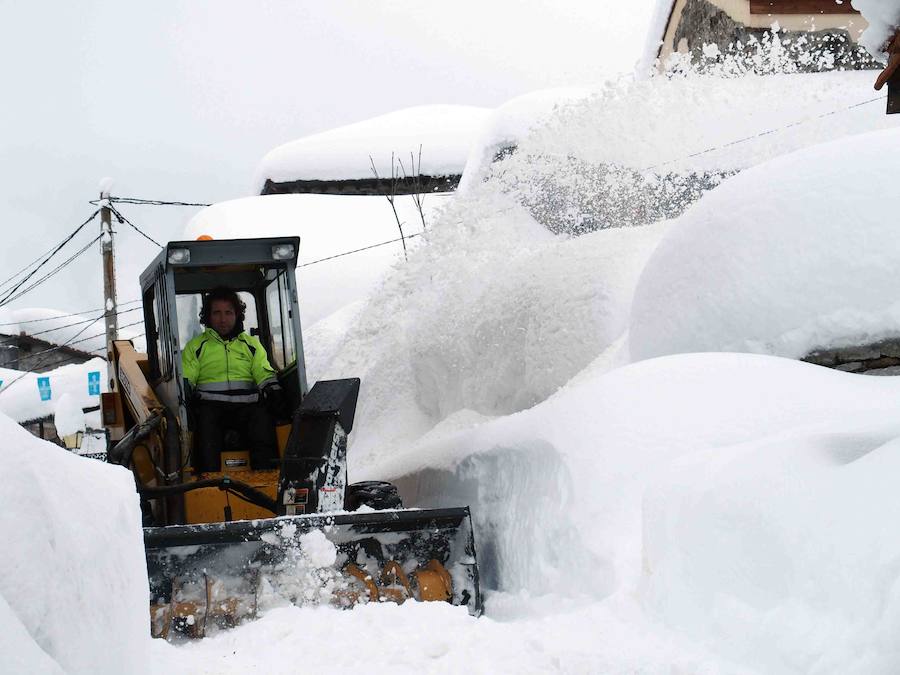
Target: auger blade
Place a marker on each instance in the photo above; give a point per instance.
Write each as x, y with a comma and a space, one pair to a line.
225, 572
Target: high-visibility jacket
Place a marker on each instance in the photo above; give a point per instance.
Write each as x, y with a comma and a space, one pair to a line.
226, 370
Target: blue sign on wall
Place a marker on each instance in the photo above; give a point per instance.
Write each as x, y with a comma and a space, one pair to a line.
44, 388
93, 383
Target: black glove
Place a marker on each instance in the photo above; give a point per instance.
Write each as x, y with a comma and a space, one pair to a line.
274, 398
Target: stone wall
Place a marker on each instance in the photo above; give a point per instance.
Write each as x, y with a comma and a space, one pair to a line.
702, 23
879, 358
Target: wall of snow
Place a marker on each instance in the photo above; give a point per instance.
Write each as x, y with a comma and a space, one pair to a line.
745, 500
794, 254
73, 584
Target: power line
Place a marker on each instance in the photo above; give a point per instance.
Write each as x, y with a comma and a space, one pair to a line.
65, 241
133, 226
358, 250
63, 316
148, 202
767, 132
77, 323
54, 271
9, 279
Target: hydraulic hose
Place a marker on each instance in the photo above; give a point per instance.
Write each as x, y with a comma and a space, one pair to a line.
246, 492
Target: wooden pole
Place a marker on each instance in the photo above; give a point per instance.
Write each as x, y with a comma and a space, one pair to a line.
111, 319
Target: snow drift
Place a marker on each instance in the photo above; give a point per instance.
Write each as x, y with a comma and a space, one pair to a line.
726, 488
795, 254
73, 585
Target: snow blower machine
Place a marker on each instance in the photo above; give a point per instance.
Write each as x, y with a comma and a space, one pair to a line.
224, 545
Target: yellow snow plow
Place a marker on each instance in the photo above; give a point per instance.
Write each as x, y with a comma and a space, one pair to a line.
223, 545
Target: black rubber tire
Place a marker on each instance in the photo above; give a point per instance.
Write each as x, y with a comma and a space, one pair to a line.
375, 494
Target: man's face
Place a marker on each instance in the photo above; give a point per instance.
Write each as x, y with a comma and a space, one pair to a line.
222, 317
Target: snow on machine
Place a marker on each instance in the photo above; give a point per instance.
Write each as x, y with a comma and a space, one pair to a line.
222, 544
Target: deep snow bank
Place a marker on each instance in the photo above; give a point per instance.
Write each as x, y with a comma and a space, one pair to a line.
798, 253
73, 582
747, 498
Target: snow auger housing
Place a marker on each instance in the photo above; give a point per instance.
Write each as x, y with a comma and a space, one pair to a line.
222, 544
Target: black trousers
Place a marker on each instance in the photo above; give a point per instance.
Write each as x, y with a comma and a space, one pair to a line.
251, 420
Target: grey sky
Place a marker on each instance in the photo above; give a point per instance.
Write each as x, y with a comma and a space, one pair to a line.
180, 100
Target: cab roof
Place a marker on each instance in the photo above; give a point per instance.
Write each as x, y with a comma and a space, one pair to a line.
221, 254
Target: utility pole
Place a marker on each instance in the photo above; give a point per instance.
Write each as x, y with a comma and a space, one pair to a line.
110, 317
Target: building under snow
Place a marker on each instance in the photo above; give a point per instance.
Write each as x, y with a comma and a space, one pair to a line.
415, 150
814, 35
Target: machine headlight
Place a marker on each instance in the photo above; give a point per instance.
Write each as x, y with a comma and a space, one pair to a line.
179, 256
283, 251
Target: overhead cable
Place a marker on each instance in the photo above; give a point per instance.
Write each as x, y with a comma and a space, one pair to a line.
133, 226
358, 250
148, 202
66, 315
52, 272
46, 259
767, 132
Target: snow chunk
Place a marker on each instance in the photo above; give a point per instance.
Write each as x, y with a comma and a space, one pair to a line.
319, 551
792, 255
68, 416
72, 569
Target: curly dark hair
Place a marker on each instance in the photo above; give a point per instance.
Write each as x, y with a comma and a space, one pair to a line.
224, 293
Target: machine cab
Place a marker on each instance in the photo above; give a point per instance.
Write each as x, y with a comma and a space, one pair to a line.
262, 271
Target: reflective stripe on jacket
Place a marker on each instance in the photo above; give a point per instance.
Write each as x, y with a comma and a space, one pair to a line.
226, 370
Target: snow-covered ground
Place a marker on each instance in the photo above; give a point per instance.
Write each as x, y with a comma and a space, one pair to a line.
644, 500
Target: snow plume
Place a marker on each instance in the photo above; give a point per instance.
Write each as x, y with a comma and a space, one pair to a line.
73, 584
640, 150
492, 314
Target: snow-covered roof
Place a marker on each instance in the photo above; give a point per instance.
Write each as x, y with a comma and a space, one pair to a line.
794, 254
29, 396
82, 332
444, 133
328, 225
659, 21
